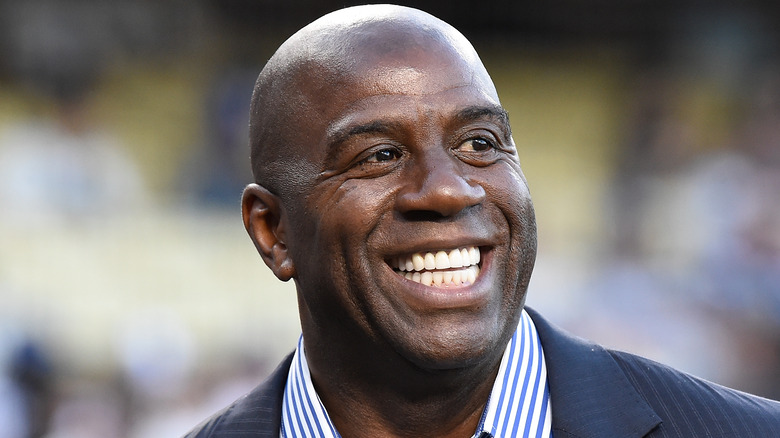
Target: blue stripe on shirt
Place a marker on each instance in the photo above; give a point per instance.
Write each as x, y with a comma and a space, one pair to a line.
519, 400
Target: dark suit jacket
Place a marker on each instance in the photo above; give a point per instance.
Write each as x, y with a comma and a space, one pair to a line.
594, 392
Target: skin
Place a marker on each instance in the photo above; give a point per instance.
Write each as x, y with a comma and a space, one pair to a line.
376, 132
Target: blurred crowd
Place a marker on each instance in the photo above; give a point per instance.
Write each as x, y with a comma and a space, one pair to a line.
112, 113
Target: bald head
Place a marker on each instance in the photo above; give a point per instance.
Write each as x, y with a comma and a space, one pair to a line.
376, 47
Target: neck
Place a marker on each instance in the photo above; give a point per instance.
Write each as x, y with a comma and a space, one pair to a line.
382, 394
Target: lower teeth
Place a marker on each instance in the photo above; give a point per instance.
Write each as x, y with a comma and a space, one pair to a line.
456, 278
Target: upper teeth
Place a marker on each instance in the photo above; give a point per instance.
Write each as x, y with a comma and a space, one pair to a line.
427, 268
456, 258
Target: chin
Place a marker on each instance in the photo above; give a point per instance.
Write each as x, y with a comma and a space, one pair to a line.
456, 349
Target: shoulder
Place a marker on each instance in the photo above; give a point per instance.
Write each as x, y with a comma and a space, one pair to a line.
688, 404
256, 414
598, 392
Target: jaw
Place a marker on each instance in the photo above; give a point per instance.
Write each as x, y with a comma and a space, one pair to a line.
445, 326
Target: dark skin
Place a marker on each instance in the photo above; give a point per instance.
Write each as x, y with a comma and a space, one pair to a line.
395, 145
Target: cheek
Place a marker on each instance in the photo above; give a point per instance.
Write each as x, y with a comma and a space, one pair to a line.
508, 189
340, 218
358, 205
509, 193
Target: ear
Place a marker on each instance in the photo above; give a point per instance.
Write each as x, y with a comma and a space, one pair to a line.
264, 221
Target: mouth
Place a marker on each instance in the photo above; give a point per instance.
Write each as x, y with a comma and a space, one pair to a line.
451, 268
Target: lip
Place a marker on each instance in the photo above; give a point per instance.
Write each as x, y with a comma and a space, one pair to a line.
424, 297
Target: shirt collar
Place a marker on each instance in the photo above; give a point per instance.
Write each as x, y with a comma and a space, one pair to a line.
519, 403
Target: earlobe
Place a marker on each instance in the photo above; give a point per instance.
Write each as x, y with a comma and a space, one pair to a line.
263, 219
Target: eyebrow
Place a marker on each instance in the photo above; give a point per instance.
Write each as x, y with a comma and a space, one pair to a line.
477, 112
374, 127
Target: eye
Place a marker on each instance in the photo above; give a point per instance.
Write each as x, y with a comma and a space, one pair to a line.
478, 144
382, 155
376, 161
479, 151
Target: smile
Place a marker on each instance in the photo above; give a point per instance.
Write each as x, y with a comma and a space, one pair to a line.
453, 268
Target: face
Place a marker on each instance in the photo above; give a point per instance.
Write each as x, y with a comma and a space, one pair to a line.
412, 229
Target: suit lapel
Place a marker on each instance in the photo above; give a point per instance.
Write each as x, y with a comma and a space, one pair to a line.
590, 395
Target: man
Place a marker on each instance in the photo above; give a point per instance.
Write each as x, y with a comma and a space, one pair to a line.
389, 189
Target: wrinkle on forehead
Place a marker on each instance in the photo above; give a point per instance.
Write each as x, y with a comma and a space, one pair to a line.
415, 74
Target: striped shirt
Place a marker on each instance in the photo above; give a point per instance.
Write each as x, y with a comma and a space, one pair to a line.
519, 403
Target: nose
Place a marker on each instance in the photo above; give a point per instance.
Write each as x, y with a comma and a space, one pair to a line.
437, 188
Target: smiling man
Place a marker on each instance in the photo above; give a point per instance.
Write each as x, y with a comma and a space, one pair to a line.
388, 188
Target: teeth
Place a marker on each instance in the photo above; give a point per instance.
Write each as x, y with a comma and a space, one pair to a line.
442, 260
418, 262
460, 277
474, 255
430, 260
456, 258
439, 268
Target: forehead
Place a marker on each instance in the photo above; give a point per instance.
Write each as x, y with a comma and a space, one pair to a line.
417, 73
385, 83
398, 56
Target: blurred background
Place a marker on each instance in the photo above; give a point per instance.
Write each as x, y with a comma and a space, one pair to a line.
132, 303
